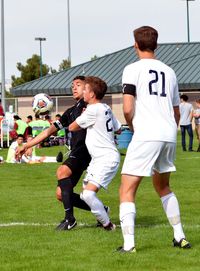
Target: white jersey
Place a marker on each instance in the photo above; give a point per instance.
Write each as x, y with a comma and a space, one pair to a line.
185, 112
101, 125
156, 93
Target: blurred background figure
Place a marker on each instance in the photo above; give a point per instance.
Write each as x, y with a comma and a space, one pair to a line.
196, 115
186, 112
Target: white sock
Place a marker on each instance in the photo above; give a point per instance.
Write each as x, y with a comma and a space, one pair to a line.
127, 214
97, 207
171, 208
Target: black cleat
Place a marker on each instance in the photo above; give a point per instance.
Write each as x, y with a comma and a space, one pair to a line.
122, 250
107, 209
66, 225
183, 243
59, 157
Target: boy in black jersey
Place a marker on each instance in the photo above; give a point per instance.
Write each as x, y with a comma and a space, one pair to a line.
71, 170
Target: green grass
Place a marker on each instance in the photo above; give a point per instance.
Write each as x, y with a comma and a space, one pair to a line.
28, 197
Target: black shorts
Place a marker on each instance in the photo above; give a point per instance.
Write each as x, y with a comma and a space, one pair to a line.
77, 161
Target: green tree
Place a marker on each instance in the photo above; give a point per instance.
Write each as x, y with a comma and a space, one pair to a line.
94, 57
30, 71
64, 65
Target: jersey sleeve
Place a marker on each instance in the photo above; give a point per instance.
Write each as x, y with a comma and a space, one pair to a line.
128, 84
116, 124
63, 122
87, 118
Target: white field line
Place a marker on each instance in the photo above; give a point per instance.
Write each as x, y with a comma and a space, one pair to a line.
27, 224
195, 157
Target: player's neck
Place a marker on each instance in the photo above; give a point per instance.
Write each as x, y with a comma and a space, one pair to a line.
94, 101
146, 55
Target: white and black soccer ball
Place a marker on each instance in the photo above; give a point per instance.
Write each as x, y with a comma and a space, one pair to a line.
42, 104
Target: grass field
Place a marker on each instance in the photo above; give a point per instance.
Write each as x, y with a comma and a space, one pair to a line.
29, 213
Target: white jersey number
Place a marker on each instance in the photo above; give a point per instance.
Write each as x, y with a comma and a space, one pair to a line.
157, 77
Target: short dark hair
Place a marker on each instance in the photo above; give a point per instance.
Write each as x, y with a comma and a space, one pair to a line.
58, 115
16, 117
146, 38
184, 97
20, 135
37, 116
99, 87
29, 117
79, 77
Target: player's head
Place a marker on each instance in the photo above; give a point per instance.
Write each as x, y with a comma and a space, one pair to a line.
198, 102
57, 116
78, 85
95, 87
29, 118
20, 139
146, 38
184, 97
16, 117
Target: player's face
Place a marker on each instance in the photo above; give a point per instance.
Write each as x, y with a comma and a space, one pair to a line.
88, 93
20, 140
77, 89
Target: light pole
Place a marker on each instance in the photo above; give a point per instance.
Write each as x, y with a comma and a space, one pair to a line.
2, 57
40, 40
69, 40
188, 20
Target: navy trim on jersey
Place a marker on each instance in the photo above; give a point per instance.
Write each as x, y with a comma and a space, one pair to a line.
129, 89
58, 125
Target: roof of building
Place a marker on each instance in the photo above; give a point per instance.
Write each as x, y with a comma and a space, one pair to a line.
184, 58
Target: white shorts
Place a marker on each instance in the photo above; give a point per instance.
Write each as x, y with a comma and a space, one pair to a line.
142, 158
100, 173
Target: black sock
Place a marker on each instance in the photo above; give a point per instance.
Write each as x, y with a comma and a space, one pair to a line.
67, 197
79, 203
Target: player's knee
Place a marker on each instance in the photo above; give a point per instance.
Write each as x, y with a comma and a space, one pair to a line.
88, 196
63, 172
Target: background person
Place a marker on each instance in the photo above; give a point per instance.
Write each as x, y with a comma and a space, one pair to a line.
186, 111
196, 115
150, 93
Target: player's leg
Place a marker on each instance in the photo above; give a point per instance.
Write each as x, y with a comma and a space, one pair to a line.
89, 195
190, 133
170, 206
183, 137
162, 168
127, 210
65, 184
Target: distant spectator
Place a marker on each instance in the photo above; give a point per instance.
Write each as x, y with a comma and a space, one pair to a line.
19, 127
186, 112
11, 157
196, 115
1, 110
29, 119
47, 118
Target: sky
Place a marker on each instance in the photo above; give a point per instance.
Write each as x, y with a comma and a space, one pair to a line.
97, 27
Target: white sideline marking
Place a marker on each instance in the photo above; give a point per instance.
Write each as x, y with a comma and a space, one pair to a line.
195, 157
27, 224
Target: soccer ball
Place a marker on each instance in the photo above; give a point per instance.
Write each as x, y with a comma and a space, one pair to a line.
42, 104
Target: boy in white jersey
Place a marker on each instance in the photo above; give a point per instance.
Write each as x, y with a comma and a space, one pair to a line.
101, 124
151, 109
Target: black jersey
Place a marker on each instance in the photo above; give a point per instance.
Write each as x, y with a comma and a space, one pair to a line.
69, 116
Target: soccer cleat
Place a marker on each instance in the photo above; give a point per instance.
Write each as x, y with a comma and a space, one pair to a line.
66, 225
107, 209
183, 243
110, 227
122, 250
59, 157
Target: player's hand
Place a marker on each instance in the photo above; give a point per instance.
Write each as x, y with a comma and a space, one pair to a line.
20, 151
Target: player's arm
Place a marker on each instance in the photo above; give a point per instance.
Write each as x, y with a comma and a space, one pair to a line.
36, 140
129, 109
129, 94
74, 127
176, 114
